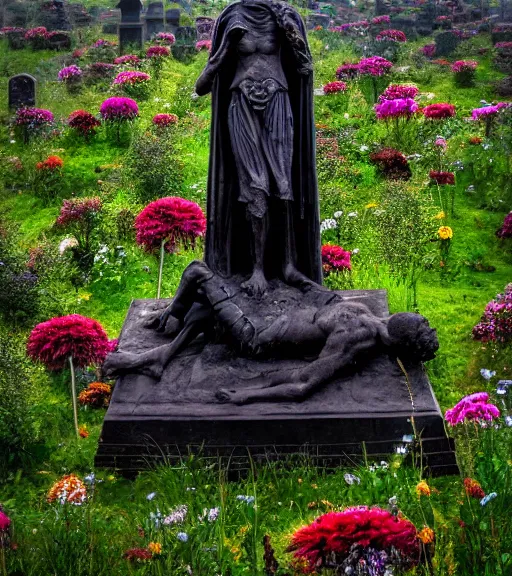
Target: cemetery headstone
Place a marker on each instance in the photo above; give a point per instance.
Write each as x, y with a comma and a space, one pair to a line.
446, 43
317, 19
204, 27
185, 46
154, 19
22, 91
131, 29
172, 19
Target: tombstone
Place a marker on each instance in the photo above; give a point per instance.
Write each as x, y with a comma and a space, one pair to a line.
204, 27
79, 15
22, 91
59, 41
130, 10
172, 18
130, 35
154, 19
317, 19
185, 47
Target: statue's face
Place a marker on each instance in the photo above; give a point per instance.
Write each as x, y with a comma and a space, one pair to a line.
426, 340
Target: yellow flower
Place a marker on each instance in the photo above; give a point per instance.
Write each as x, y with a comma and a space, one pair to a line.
426, 535
85, 296
371, 205
423, 489
440, 216
445, 233
155, 548
83, 432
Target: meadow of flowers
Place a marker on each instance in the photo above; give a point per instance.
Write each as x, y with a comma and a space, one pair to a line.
103, 200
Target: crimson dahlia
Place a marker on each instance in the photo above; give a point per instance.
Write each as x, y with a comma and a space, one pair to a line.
439, 111
442, 178
334, 258
83, 122
170, 219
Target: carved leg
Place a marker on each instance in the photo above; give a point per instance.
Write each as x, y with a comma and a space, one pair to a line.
257, 284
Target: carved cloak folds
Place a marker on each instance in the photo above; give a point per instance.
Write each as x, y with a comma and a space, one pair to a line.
228, 239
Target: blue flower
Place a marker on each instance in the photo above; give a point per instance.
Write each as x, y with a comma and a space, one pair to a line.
503, 386
486, 499
246, 499
182, 536
150, 496
487, 374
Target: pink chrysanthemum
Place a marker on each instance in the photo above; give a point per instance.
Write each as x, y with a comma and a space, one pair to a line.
83, 121
439, 111
397, 108
119, 108
5, 522
165, 38
395, 91
127, 59
334, 258
204, 45
488, 111
164, 120
170, 219
464, 66
131, 77
334, 533
374, 66
394, 35
442, 178
33, 117
158, 52
54, 341
77, 209
474, 407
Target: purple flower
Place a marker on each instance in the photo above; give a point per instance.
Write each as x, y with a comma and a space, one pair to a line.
33, 117
131, 77
441, 142
496, 322
488, 111
396, 108
119, 108
69, 73
474, 407
374, 66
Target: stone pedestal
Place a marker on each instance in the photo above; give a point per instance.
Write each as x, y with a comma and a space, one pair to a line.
130, 34
366, 412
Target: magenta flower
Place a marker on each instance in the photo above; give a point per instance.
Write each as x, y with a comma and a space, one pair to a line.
69, 73
165, 38
170, 219
131, 77
119, 109
474, 407
429, 50
439, 111
33, 117
496, 322
374, 66
385, 19
5, 522
54, 341
347, 71
488, 111
36, 33
335, 258
204, 45
334, 87
398, 108
164, 120
506, 229
158, 52
394, 35
78, 209
395, 91
440, 142
464, 66
127, 59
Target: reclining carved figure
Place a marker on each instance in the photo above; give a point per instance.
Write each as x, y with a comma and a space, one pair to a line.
333, 331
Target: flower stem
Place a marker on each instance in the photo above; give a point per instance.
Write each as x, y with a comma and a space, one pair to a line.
73, 395
160, 270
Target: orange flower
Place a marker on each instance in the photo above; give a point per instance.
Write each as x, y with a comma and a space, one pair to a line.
83, 432
426, 535
68, 489
51, 163
155, 548
475, 140
423, 489
473, 488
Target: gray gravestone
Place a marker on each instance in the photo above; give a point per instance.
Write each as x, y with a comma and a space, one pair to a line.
22, 91
130, 10
204, 27
154, 19
172, 18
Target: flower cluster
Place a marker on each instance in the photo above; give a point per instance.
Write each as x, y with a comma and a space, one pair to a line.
164, 120
503, 46
36, 33
5, 30
397, 108
392, 163
96, 395
429, 50
439, 111
374, 66
204, 45
83, 121
171, 220
496, 322
165, 38
394, 35
33, 117
51, 164
54, 341
67, 73
69, 489
442, 178
347, 71
100, 69
506, 229
487, 111
131, 77
334, 258
385, 19
101, 43
138, 554
119, 108
335, 87
474, 407
158, 52
445, 233
127, 59
78, 209
473, 488
395, 91
338, 534
464, 66
350, 26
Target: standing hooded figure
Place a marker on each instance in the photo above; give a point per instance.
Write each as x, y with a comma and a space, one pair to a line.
263, 219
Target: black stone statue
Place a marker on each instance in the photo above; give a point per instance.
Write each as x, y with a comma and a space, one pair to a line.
263, 218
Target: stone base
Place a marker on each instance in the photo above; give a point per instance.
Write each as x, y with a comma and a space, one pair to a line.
363, 413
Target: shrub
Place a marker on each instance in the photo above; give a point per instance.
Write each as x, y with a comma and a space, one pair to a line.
37, 37
335, 259
464, 72
117, 111
395, 91
496, 322
164, 120
334, 87
394, 35
506, 229
155, 168
48, 178
439, 111
33, 121
347, 71
392, 164
84, 123
133, 83
98, 71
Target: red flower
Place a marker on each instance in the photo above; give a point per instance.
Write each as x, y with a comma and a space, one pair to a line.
96, 395
83, 121
333, 87
335, 532
473, 488
442, 178
439, 111
158, 51
164, 120
78, 209
137, 554
171, 219
51, 163
334, 258
392, 163
54, 341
